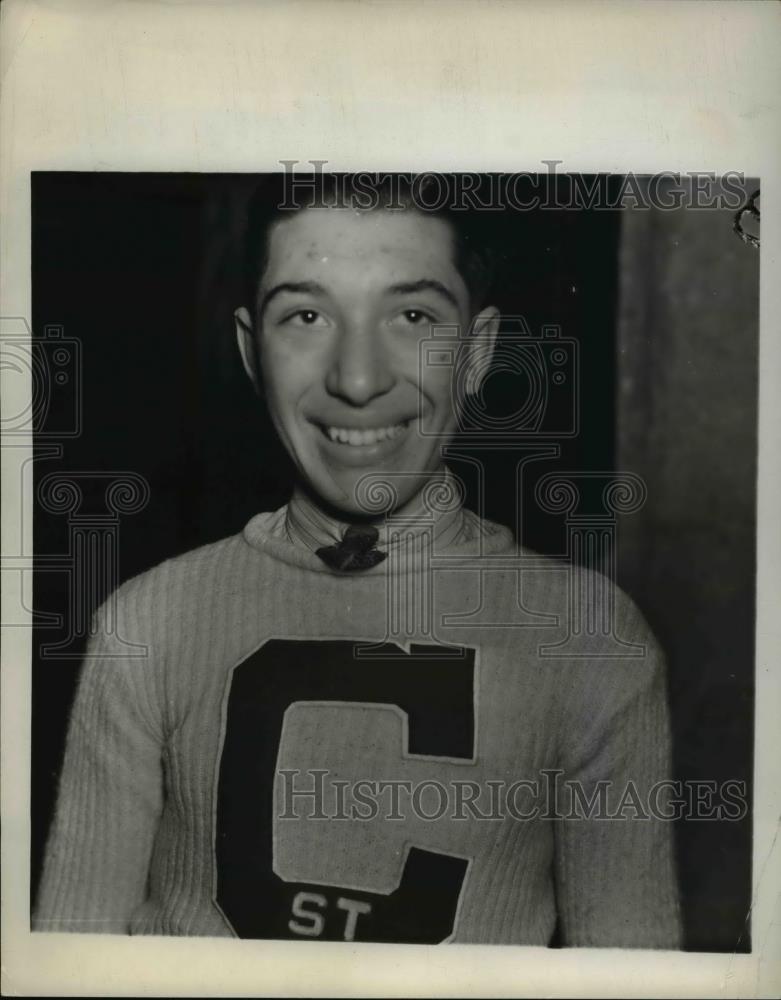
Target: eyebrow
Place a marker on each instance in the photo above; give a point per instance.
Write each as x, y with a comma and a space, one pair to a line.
313, 288
424, 285
294, 287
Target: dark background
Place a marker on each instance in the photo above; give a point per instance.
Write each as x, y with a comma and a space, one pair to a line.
143, 269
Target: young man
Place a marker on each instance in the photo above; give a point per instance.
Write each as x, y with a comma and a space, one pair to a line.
348, 724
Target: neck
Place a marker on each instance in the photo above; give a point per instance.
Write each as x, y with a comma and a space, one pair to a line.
436, 509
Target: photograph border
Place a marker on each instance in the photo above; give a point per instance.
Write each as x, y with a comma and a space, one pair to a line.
394, 85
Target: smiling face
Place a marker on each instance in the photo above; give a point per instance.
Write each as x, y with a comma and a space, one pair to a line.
343, 305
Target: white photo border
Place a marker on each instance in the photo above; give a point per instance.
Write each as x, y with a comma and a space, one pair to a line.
231, 86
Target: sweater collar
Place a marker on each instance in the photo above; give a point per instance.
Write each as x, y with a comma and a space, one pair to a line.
436, 513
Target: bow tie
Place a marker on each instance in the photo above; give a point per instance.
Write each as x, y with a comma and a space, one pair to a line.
356, 550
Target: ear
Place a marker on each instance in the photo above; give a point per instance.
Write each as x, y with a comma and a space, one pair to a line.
480, 347
248, 348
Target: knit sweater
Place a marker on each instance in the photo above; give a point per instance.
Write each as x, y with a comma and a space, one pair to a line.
263, 747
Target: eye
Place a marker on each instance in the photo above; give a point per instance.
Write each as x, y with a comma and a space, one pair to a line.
417, 317
306, 317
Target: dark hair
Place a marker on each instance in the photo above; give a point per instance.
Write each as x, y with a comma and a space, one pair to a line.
278, 196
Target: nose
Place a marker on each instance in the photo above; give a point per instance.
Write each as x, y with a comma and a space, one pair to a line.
359, 368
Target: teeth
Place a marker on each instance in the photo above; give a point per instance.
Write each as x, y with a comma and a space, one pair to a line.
356, 437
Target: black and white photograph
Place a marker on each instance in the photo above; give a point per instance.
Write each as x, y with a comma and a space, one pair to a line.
364, 668
389, 556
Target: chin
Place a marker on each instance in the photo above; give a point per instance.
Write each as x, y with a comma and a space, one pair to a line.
372, 494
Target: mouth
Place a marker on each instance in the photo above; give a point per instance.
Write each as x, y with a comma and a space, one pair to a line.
362, 447
363, 437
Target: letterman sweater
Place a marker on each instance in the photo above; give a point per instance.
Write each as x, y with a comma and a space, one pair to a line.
463, 743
